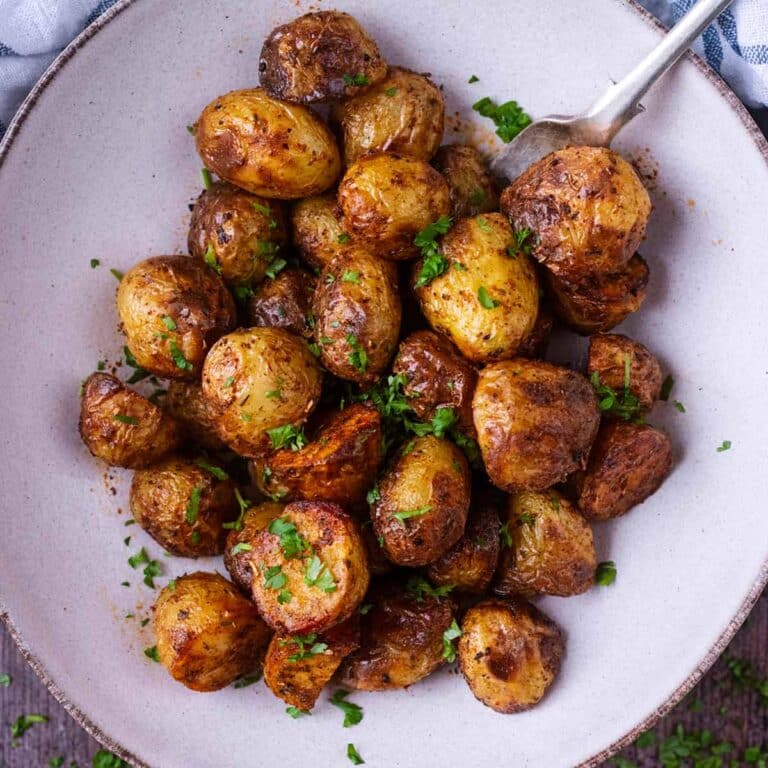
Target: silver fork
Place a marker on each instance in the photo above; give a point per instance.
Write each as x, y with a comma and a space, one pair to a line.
615, 108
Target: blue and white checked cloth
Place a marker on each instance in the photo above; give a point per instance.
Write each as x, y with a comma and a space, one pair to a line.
32, 32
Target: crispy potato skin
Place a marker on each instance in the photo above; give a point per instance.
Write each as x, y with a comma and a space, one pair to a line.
298, 682
306, 60
154, 434
608, 353
284, 302
587, 208
335, 538
404, 113
509, 654
267, 147
536, 342
173, 291
357, 306
207, 633
185, 401
437, 377
339, 464
535, 423
387, 199
451, 301
470, 182
401, 640
627, 464
243, 238
430, 473
239, 372
316, 228
552, 551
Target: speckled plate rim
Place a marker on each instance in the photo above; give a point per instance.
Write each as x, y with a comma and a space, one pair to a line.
683, 689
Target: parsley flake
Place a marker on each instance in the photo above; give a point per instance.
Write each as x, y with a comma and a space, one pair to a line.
207, 180
354, 755
726, 446
419, 588
358, 357
152, 653
287, 436
408, 514
193, 505
358, 79
605, 575
217, 472
353, 713
510, 118
293, 544
317, 574
209, 257
433, 262
350, 276
452, 633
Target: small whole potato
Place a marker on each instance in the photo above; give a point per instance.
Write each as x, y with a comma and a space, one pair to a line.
284, 302
535, 423
423, 501
123, 428
256, 380
551, 550
185, 401
267, 147
469, 180
172, 310
487, 299
207, 633
509, 654
317, 230
404, 113
319, 56
387, 199
357, 315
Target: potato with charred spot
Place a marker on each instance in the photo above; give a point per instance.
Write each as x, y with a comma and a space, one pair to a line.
285, 302
256, 380
185, 401
469, 180
509, 654
267, 147
123, 428
207, 633
535, 423
316, 229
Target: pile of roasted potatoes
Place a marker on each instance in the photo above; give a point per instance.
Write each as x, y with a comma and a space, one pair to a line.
358, 415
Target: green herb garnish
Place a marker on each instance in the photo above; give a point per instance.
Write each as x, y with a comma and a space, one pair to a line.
452, 633
605, 575
509, 117
433, 262
353, 713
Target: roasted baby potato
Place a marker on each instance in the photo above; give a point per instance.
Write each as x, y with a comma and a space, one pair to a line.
172, 310
627, 464
256, 380
387, 199
237, 234
309, 568
319, 56
437, 376
472, 188
403, 113
536, 342
338, 464
401, 639
267, 147
297, 667
207, 633
317, 230
617, 361
284, 302
551, 550
586, 208
185, 401
357, 315
487, 300
123, 428
509, 653
535, 423
423, 501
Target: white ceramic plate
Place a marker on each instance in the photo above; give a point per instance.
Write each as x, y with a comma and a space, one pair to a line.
99, 165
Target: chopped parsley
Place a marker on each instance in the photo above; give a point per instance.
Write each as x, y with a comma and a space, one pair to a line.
350, 276
477, 197
266, 211
529, 519
117, 274
275, 267
725, 446
95, 263
246, 681
277, 392
139, 374
207, 180
209, 257
354, 755
242, 292
605, 575
484, 225
193, 505
358, 79
24, 722
307, 646
679, 406
178, 357
274, 578
473, 79
295, 712
433, 263
524, 243
217, 472
229, 381
452, 633
152, 653
509, 117
390, 92
244, 504
373, 495
358, 357
666, 387
343, 238
621, 405
317, 574
169, 322
506, 537
123, 419
409, 513
287, 436
485, 299
104, 759
353, 713
152, 568
5, 680
241, 546
419, 588
293, 544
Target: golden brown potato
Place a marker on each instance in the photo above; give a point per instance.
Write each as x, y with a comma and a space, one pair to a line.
297, 667
284, 302
401, 639
551, 553
185, 401
268, 147
509, 653
207, 633
627, 464
256, 380
338, 464
123, 428
317, 230
470, 182
423, 501
437, 376
487, 300
617, 361
387, 199
319, 56
309, 568
403, 113
237, 234
172, 309
586, 208
357, 315
535, 423
378, 562
536, 342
